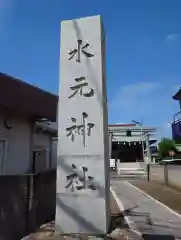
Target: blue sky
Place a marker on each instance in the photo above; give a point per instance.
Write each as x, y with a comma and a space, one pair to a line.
143, 51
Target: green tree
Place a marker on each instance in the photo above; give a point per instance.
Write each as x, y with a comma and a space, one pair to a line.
165, 146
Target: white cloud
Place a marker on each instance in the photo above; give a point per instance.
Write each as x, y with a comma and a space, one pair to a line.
172, 37
148, 101
6, 7
132, 94
120, 123
4, 4
176, 87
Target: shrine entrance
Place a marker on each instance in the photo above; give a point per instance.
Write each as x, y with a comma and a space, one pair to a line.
127, 152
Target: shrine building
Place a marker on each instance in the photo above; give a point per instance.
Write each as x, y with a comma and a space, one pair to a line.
126, 141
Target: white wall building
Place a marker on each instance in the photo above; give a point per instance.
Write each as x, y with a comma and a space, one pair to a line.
21, 106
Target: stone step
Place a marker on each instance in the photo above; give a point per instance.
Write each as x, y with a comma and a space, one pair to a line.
136, 172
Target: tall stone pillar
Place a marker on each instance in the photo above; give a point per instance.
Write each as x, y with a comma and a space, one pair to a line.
82, 202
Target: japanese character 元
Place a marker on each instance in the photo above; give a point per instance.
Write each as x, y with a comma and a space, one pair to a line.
81, 84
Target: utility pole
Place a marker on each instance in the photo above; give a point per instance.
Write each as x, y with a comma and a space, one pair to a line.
148, 156
148, 147
110, 144
142, 135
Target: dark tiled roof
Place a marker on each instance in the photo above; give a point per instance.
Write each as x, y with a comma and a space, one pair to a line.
177, 96
26, 99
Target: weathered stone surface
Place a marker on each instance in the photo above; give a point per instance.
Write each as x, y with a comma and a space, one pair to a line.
82, 204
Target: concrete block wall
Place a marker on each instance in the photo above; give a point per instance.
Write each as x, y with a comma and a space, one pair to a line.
170, 175
157, 173
174, 176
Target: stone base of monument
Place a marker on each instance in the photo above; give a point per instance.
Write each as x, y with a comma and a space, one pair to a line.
47, 231
83, 214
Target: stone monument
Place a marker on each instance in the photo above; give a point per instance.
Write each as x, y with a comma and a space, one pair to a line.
82, 199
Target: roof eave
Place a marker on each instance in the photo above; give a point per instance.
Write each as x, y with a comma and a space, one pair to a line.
26, 99
177, 96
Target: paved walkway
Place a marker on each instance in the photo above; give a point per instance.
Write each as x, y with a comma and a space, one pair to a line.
167, 195
144, 214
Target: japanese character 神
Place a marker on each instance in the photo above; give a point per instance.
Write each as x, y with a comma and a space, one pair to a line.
83, 129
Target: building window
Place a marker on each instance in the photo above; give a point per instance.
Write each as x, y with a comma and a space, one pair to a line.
128, 133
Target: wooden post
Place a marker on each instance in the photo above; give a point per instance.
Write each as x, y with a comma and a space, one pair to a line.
148, 172
30, 205
166, 174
